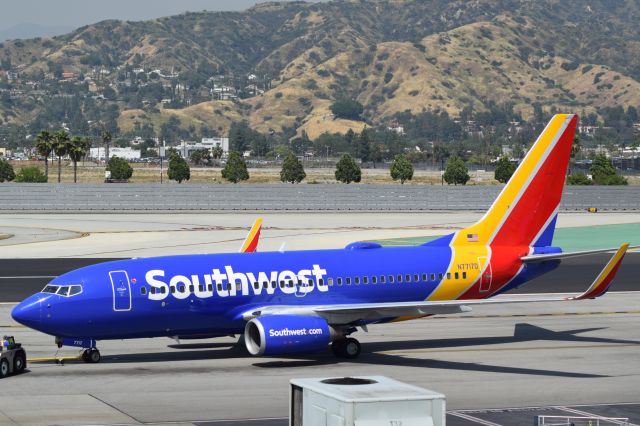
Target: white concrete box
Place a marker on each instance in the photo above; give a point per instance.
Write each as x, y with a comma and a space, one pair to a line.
363, 401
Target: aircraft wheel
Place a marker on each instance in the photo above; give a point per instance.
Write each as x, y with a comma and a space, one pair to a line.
4, 368
19, 363
346, 348
352, 348
94, 356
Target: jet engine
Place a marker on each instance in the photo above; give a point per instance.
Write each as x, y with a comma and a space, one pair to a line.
286, 334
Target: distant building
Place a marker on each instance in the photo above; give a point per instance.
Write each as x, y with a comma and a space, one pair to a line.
395, 126
126, 153
185, 148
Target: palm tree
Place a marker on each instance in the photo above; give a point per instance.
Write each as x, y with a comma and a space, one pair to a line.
44, 146
78, 149
61, 144
106, 140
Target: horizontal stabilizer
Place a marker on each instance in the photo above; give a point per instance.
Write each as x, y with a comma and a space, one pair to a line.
555, 256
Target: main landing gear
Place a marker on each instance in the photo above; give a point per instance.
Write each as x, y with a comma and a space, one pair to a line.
346, 348
91, 356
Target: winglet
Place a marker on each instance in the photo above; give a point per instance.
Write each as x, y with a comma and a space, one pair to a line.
604, 279
250, 244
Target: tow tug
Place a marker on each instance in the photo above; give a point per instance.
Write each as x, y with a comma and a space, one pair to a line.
13, 358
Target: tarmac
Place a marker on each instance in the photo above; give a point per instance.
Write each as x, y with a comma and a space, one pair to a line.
549, 354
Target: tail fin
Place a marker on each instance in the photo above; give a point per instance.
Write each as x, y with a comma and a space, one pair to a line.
524, 214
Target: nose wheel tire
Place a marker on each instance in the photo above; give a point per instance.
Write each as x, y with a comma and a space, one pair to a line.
348, 348
91, 356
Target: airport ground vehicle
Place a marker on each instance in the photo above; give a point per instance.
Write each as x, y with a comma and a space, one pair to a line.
13, 358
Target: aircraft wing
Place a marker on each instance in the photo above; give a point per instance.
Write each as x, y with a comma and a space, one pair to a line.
353, 313
250, 244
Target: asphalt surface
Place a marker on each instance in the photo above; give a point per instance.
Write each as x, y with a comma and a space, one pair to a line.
20, 278
555, 357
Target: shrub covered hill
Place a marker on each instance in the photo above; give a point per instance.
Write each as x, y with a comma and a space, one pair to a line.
390, 55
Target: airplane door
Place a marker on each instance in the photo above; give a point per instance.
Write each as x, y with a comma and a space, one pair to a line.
487, 275
121, 290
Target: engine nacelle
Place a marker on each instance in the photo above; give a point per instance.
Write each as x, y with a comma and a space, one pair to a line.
286, 334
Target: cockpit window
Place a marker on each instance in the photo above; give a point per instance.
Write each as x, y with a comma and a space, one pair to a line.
75, 289
63, 290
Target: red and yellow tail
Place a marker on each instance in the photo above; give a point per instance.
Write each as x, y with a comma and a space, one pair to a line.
522, 216
529, 202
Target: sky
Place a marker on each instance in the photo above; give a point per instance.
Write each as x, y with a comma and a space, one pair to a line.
76, 13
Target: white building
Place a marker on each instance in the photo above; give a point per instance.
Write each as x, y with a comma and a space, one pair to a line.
187, 147
125, 153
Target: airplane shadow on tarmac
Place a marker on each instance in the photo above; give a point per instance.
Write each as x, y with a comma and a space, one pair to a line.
373, 352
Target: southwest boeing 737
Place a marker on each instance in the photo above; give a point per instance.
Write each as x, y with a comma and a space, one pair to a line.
305, 301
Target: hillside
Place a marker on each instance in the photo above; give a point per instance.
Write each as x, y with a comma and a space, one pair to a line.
391, 55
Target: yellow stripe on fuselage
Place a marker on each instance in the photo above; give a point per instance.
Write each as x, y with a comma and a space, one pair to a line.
467, 252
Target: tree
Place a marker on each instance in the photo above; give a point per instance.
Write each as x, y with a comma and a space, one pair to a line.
575, 146
604, 173
6, 171
44, 146
236, 169
61, 145
292, 170
77, 151
106, 140
504, 170
119, 168
363, 146
31, 175
178, 168
401, 169
348, 109
217, 152
198, 157
456, 172
347, 170
578, 179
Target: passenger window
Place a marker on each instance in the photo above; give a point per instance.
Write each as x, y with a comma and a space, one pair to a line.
416, 278
407, 278
374, 279
382, 279
348, 280
219, 287
228, 286
282, 284
320, 281
433, 277
365, 280
390, 279
457, 275
339, 280
290, 283
256, 285
152, 290
265, 284
143, 290
356, 280
163, 290
330, 281
440, 275
399, 278
310, 283
210, 287
191, 288
464, 275
173, 290
425, 277
448, 275
273, 284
